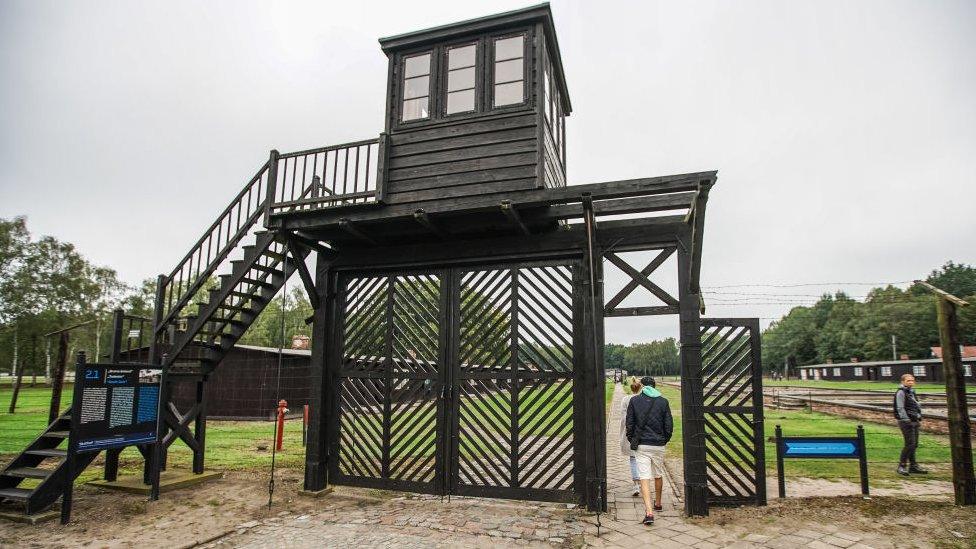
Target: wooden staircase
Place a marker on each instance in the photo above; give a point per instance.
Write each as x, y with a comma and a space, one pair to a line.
233, 306
41, 464
197, 320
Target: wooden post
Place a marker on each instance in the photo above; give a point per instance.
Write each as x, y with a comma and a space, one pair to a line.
780, 469
117, 317
200, 428
58, 377
862, 457
17, 382
963, 481
692, 415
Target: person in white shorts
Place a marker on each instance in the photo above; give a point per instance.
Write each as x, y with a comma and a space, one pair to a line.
650, 425
635, 388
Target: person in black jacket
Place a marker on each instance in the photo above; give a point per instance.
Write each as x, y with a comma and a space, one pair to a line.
649, 423
908, 412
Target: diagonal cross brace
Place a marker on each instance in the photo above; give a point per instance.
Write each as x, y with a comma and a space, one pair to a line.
179, 425
639, 278
313, 296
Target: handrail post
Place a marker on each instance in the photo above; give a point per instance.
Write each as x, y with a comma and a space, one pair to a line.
272, 185
157, 317
116, 335
382, 152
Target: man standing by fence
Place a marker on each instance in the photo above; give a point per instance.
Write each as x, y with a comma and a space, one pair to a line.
908, 412
649, 428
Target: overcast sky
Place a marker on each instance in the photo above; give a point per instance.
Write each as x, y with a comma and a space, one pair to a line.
844, 132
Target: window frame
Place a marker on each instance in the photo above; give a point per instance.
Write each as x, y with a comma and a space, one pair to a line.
886, 371
918, 370
858, 371
527, 60
444, 75
401, 88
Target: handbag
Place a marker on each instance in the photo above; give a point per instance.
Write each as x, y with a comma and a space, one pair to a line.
635, 442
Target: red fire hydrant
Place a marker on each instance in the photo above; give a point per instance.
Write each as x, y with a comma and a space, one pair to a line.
282, 410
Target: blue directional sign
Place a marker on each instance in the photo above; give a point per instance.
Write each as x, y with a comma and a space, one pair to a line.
820, 448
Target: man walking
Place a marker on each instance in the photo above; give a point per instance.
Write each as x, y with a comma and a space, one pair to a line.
649, 428
908, 412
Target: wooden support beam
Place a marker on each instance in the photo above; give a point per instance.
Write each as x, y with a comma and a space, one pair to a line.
420, 216
313, 243
640, 204
313, 296
650, 186
697, 219
351, 228
641, 311
509, 210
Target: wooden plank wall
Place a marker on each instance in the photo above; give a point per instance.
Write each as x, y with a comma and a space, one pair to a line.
484, 155
552, 165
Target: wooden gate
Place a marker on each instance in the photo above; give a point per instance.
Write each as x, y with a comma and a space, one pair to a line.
513, 421
460, 381
732, 406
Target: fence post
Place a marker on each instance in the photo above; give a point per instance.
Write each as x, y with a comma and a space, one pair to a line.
963, 480
58, 378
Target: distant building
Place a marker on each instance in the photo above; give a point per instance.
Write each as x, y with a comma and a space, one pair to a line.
247, 384
926, 369
968, 351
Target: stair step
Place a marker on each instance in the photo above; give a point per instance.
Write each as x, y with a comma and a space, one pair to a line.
28, 472
265, 268
231, 321
258, 282
56, 434
245, 295
16, 494
273, 255
48, 452
228, 307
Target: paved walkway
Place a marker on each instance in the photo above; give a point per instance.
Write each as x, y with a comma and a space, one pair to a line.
364, 518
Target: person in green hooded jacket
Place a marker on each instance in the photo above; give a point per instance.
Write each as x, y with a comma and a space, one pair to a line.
650, 425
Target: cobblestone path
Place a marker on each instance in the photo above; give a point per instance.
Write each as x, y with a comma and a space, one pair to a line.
355, 519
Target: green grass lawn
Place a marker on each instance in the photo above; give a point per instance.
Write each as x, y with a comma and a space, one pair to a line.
883, 445
890, 386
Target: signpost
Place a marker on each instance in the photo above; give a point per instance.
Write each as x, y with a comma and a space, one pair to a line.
114, 406
821, 448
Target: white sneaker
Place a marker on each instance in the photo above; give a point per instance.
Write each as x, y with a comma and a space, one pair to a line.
636, 490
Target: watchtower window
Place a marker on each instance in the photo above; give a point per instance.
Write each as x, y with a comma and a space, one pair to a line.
416, 87
509, 71
461, 79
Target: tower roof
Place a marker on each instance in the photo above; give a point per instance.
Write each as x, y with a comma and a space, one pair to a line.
533, 14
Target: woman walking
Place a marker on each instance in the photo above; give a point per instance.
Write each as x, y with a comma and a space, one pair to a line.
635, 388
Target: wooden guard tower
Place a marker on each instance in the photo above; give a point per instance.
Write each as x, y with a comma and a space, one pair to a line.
458, 288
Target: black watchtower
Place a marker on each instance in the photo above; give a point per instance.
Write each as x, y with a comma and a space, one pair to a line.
457, 340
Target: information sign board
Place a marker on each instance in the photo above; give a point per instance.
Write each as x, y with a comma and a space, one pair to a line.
116, 406
821, 448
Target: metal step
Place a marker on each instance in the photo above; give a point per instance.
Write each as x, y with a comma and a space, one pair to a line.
56, 434
48, 452
16, 494
28, 472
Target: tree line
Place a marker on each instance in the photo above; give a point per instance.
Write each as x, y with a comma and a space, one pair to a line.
838, 327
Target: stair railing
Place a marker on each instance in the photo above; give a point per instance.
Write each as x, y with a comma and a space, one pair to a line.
347, 174
217, 242
310, 179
